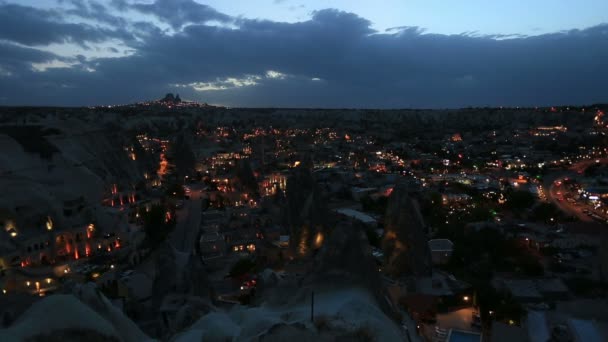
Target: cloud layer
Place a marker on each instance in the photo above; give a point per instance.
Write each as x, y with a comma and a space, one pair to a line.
333, 59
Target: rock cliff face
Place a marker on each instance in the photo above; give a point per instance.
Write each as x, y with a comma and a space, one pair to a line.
180, 290
194, 278
66, 318
305, 212
71, 162
89, 157
166, 279
90, 295
405, 241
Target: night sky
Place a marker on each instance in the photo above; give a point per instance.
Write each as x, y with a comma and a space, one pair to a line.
295, 53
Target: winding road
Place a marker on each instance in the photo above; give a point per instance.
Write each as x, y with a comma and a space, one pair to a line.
552, 195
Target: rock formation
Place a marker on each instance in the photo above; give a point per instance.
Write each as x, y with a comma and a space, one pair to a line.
194, 278
405, 241
346, 252
245, 179
170, 98
305, 212
179, 273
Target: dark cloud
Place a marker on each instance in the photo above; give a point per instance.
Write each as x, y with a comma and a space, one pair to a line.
120, 5
15, 58
334, 59
406, 29
178, 13
95, 10
31, 26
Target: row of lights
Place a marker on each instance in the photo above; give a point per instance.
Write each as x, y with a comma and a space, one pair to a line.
47, 280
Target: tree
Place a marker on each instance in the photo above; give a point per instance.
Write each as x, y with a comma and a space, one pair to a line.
241, 267
529, 265
175, 190
373, 238
158, 223
520, 200
545, 211
183, 155
592, 170
377, 206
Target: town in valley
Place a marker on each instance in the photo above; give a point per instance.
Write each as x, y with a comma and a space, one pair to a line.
172, 219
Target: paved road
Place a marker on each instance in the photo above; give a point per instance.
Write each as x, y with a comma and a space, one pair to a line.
581, 166
564, 205
575, 170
